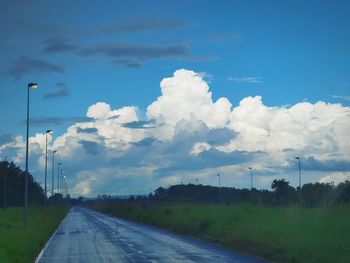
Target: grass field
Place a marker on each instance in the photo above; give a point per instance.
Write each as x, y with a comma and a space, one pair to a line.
279, 234
19, 245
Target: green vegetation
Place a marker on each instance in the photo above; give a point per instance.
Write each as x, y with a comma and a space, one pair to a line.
19, 245
282, 234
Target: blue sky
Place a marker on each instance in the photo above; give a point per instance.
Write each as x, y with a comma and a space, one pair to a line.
118, 52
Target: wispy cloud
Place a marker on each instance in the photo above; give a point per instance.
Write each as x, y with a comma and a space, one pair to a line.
139, 25
87, 130
341, 97
61, 93
57, 45
245, 79
25, 65
42, 121
140, 124
135, 54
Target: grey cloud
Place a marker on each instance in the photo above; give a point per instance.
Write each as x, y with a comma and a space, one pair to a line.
311, 163
26, 65
61, 84
43, 121
126, 63
63, 92
175, 155
133, 54
113, 117
140, 124
91, 147
145, 142
57, 45
219, 136
86, 130
128, 26
134, 50
207, 159
5, 138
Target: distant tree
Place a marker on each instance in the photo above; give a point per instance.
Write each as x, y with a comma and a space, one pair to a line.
283, 192
343, 192
318, 194
160, 193
15, 179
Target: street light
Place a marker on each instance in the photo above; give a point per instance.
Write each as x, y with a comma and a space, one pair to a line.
25, 212
53, 171
58, 177
47, 132
65, 181
300, 199
5, 184
219, 189
59, 188
251, 182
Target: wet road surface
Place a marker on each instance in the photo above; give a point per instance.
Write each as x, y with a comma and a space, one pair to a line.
88, 236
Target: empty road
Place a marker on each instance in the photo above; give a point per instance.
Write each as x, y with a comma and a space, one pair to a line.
88, 236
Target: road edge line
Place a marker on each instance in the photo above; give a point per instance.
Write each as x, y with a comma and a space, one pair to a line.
49, 241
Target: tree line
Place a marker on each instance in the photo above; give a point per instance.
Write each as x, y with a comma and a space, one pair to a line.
281, 193
12, 180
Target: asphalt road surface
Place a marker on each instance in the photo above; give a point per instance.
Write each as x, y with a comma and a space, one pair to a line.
88, 236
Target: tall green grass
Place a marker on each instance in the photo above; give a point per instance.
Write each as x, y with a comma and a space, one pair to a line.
19, 245
280, 234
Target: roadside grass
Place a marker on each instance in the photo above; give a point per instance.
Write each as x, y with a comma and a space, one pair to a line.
19, 245
280, 234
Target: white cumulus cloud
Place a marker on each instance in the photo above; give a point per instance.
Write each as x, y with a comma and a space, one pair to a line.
186, 95
187, 136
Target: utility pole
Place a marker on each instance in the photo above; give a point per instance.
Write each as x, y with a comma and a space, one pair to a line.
5, 183
47, 132
251, 183
219, 192
197, 190
300, 197
53, 171
58, 177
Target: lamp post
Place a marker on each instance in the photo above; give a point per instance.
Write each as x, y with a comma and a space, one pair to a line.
219, 190
65, 181
58, 177
251, 182
5, 183
197, 189
47, 132
53, 172
300, 198
60, 186
25, 211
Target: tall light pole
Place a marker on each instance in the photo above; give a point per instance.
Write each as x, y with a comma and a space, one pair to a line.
65, 181
53, 172
300, 198
60, 187
5, 183
197, 189
58, 177
25, 211
219, 189
251, 182
47, 132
